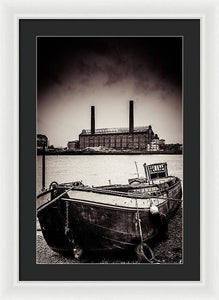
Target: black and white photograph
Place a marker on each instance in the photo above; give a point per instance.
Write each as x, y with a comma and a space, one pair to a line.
109, 163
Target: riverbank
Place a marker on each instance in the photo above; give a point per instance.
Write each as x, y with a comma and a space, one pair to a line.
113, 152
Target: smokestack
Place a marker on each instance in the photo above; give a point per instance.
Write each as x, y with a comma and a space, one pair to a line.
92, 120
131, 117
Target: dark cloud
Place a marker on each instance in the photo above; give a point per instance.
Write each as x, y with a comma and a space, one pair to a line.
75, 73
152, 63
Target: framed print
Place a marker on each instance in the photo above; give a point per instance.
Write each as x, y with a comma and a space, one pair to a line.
21, 276
139, 79
104, 229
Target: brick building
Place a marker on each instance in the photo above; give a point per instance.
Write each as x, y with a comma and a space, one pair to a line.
73, 144
117, 138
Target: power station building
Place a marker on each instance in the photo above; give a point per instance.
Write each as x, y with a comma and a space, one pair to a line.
117, 138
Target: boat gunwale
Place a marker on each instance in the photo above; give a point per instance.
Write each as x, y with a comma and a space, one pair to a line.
100, 190
107, 205
43, 193
114, 193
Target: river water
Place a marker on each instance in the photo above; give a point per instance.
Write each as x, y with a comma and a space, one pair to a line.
99, 169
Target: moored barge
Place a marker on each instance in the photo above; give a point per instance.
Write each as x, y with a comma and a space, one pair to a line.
77, 218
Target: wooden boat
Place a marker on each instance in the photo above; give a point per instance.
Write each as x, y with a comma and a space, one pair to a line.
76, 217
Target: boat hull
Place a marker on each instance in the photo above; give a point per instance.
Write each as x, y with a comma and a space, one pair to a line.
95, 226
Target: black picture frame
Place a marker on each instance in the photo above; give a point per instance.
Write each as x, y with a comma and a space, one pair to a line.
29, 29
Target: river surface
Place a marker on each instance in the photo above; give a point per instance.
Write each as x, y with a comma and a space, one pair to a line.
99, 169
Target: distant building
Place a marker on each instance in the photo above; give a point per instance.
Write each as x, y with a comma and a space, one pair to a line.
73, 144
161, 142
174, 147
154, 144
117, 138
42, 140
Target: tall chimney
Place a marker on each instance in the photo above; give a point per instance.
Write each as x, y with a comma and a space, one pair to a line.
92, 120
131, 117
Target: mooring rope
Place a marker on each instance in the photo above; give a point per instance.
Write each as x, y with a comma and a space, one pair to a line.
68, 232
67, 217
142, 243
139, 221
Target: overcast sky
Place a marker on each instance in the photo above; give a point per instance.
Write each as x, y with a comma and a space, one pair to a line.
76, 72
